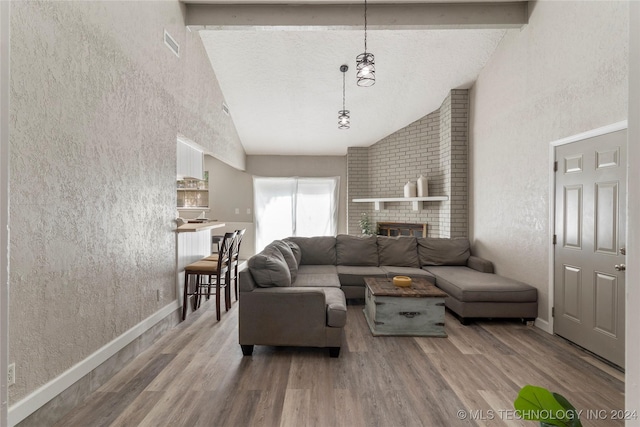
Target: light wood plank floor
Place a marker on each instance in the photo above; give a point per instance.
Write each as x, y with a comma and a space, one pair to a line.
195, 375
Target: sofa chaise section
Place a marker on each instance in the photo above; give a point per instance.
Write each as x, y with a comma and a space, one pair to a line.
473, 288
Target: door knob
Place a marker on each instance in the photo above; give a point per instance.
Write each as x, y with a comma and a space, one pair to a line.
623, 251
620, 267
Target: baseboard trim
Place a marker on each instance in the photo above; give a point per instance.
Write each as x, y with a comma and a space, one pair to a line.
34, 401
544, 325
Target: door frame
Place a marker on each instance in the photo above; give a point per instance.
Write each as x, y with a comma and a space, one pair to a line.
614, 127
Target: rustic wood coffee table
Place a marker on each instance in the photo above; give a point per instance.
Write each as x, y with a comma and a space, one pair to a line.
414, 311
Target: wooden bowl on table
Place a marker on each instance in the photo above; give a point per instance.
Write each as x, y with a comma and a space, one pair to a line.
402, 281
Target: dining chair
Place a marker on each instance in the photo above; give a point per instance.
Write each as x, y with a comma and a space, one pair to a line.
234, 258
216, 273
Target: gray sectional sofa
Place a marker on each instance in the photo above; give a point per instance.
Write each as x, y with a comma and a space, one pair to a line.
294, 292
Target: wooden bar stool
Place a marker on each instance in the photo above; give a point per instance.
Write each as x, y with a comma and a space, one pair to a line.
234, 256
235, 259
217, 273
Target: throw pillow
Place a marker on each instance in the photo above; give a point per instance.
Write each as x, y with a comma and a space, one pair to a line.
269, 268
289, 258
297, 252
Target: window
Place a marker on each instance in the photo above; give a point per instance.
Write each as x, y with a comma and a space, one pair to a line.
294, 207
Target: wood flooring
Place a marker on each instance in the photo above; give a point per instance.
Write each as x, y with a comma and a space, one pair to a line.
195, 375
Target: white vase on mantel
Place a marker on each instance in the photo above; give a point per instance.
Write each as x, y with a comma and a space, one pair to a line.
410, 189
423, 187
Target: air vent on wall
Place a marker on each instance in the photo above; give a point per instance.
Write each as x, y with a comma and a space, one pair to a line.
225, 108
171, 43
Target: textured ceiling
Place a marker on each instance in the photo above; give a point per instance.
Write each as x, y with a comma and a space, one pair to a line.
284, 88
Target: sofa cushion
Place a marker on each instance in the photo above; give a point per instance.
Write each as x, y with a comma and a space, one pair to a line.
401, 251
295, 249
317, 269
356, 250
269, 268
336, 307
392, 270
318, 250
433, 251
467, 285
350, 275
317, 280
289, 258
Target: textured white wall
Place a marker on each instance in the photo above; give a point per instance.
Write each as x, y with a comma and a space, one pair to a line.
4, 203
97, 102
562, 74
201, 115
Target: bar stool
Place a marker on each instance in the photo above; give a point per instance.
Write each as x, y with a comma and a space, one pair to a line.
218, 274
215, 240
234, 261
234, 256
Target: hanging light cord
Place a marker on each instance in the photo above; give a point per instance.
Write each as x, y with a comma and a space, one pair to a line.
365, 26
343, 85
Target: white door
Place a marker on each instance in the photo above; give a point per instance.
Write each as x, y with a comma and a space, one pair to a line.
589, 254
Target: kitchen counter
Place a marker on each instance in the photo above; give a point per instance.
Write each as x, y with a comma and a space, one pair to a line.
199, 226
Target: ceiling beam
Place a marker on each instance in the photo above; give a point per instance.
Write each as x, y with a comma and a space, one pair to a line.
342, 16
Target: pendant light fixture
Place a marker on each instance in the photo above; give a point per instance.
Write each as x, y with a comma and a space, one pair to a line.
344, 121
365, 62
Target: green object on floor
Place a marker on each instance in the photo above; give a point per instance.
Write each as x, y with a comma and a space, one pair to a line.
551, 409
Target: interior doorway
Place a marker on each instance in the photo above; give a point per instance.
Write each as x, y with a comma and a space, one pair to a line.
590, 231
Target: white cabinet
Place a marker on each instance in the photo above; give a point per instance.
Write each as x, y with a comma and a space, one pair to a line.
189, 161
182, 156
196, 160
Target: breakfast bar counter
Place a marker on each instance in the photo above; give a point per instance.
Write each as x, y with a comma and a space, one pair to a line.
199, 226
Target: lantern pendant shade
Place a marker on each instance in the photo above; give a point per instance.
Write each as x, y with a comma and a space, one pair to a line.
344, 121
365, 62
366, 69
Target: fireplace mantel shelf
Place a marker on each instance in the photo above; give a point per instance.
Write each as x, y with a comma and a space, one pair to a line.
416, 202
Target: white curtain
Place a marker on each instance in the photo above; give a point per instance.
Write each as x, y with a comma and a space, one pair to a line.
294, 207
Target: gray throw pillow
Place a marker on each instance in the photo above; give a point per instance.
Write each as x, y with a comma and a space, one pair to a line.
269, 268
356, 250
434, 251
297, 252
401, 251
289, 258
320, 250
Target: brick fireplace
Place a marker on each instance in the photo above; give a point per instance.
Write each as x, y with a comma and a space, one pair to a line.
434, 146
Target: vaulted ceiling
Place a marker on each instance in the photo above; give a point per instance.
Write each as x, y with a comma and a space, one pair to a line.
278, 65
